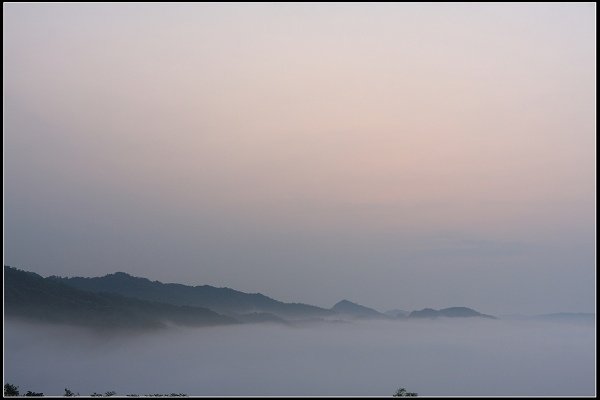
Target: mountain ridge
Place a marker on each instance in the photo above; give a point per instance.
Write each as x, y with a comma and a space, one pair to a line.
30, 296
121, 289
450, 312
222, 300
356, 310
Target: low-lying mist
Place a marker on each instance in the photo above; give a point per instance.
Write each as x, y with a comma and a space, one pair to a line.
441, 357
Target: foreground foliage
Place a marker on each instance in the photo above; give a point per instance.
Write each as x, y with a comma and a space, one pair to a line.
11, 390
402, 392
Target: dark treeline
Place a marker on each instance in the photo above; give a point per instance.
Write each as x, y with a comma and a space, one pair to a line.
11, 390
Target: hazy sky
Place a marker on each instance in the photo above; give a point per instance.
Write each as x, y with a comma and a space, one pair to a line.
397, 155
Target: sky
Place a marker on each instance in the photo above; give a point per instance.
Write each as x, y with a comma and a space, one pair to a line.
396, 155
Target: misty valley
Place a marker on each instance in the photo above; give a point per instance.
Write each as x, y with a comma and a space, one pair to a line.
299, 199
131, 335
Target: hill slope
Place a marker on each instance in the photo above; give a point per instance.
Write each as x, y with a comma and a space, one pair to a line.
30, 296
346, 307
222, 300
451, 312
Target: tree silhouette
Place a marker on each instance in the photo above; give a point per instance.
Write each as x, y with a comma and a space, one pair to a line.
11, 390
403, 393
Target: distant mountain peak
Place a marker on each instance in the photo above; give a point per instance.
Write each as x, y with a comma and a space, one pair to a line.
350, 308
52, 299
345, 302
222, 300
452, 312
125, 277
120, 274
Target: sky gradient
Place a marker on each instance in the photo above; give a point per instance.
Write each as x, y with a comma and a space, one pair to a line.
397, 155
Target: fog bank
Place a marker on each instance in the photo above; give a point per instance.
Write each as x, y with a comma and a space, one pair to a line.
444, 357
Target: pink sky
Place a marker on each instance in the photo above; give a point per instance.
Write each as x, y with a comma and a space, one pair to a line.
297, 150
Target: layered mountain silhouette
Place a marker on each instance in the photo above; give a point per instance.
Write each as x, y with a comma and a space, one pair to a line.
395, 313
451, 312
28, 295
222, 300
349, 308
120, 300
